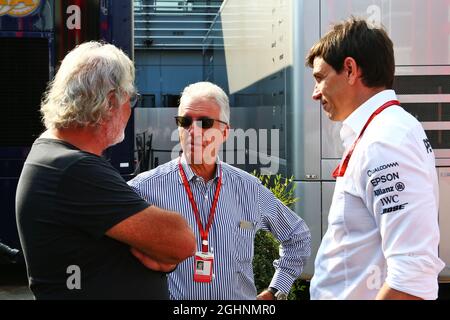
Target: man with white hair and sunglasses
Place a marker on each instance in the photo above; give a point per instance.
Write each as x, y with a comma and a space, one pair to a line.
83, 230
224, 205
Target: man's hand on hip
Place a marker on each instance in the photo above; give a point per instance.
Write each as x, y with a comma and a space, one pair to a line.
265, 295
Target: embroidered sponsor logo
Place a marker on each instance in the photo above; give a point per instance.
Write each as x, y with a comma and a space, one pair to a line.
383, 167
380, 192
394, 208
386, 178
428, 146
18, 8
400, 186
389, 200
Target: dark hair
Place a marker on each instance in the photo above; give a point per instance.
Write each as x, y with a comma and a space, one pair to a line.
371, 48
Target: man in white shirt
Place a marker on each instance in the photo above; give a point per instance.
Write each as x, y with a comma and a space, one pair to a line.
383, 235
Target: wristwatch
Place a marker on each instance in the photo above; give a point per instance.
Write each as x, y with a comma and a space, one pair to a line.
279, 295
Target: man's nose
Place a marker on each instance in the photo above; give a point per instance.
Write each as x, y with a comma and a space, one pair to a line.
195, 130
316, 94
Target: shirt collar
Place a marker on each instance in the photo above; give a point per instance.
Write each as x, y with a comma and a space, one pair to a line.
190, 175
354, 123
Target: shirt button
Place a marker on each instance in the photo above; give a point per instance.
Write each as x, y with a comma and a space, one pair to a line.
206, 197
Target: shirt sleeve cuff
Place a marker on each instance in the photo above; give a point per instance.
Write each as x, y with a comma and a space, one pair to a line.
421, 277
282, 281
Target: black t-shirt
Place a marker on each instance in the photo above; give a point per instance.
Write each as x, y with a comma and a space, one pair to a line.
66, 200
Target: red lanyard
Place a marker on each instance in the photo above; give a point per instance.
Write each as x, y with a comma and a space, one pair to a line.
203, 232
342, 167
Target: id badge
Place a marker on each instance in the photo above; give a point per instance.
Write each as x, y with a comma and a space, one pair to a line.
203, 266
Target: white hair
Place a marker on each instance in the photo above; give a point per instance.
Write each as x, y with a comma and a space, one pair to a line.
78, 95
207, 90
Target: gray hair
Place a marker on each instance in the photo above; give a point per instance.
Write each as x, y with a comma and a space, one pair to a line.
210, 91
78, 95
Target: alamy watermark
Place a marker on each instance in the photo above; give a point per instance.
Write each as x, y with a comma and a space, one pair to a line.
251, 147
375, 279
74, 279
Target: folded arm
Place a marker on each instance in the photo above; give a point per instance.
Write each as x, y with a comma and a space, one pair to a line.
161, 235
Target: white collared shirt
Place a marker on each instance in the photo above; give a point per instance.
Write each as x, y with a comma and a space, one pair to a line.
383, 220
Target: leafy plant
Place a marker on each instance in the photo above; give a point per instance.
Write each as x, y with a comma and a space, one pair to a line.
283, 190
267, 247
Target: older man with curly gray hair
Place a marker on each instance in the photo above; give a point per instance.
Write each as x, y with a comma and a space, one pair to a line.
85, 233
92, 81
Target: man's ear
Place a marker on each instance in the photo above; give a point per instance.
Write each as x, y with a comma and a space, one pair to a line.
226, 133
111, 104
352, 70
112, 99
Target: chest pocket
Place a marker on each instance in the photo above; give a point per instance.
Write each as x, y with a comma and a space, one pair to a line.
243, 239
242, 221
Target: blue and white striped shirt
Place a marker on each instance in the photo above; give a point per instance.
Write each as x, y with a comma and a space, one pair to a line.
242, 199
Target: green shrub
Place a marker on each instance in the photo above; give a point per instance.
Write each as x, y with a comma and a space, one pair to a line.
267, 247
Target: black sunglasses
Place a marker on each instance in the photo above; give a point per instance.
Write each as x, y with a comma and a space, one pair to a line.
134, 99
186, 122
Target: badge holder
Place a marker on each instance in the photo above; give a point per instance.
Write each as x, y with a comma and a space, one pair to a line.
203, 267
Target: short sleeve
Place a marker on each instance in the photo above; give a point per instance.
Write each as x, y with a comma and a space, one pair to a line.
93, 197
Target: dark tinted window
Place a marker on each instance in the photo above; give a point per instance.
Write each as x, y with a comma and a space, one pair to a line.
24, 70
